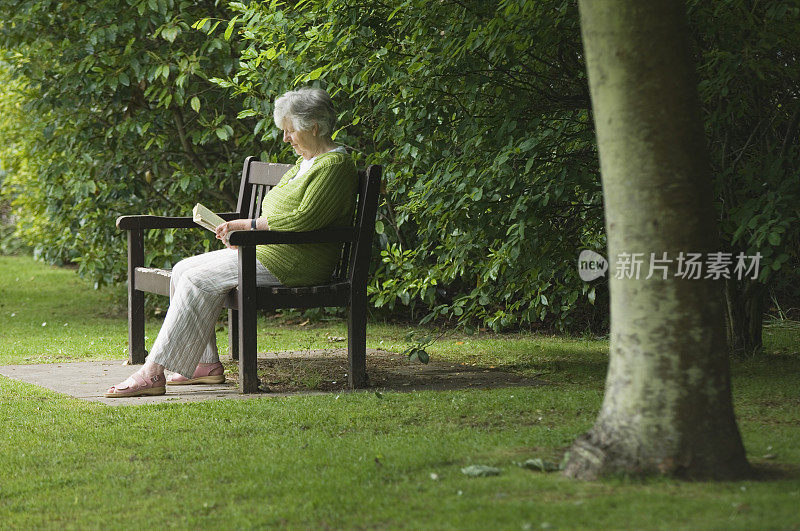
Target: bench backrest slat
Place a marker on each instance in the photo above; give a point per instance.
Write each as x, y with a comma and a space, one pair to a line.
257, 179
369, 184
267, 173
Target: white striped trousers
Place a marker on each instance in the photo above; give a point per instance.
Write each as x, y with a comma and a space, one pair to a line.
197, 289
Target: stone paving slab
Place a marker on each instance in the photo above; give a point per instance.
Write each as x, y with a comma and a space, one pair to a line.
89, 380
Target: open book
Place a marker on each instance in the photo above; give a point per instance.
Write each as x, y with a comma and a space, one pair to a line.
205, 218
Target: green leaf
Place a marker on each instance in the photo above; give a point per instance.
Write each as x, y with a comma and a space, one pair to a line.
200, 23
418, 355
259, 125
170, 33
539, 464
393, 13
229, 30
477, 471
774, 238
195, 103
379, 227
314, 74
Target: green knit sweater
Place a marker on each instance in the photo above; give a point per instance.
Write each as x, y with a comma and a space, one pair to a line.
323, 197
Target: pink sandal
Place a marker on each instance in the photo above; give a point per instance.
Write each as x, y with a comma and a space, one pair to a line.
203, 374
138, 385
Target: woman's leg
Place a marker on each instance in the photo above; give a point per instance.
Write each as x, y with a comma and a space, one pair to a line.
263, 278
210, 355
188, 330
196, 299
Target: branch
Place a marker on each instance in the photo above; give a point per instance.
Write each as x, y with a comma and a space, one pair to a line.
187, 147
790, 133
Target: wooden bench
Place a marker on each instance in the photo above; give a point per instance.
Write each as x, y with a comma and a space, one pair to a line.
348, 287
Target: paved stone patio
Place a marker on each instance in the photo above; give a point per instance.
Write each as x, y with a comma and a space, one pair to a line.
89, 380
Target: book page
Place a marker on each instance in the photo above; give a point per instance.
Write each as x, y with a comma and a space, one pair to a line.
206, 218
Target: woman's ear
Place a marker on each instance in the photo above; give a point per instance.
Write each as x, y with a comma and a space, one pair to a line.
315, 129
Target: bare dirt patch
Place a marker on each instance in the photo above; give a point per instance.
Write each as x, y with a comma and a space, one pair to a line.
326, 370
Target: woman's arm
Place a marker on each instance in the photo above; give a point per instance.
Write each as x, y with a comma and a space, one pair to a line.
239, 224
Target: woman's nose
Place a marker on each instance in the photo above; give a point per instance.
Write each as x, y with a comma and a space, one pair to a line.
285, 136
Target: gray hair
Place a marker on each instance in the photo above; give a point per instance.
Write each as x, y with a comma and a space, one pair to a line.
305, 107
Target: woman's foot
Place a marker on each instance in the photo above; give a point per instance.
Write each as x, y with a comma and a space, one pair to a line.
139, 385
205, 373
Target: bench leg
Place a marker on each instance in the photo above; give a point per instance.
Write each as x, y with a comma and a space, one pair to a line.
357, 342
248, 376
233, 334
136, 350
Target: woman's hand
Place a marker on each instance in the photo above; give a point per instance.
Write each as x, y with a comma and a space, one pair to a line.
225, 228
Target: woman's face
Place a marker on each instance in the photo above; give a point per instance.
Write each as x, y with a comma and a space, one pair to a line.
303, 142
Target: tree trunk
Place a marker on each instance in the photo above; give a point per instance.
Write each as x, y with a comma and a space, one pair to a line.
667, 407
744, 316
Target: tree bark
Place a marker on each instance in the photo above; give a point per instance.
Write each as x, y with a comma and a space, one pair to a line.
667, 407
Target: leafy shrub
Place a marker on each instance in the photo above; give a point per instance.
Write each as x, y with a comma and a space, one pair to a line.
123, 120
478, 111
479, 114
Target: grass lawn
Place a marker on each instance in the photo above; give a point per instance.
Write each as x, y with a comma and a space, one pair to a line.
353, 460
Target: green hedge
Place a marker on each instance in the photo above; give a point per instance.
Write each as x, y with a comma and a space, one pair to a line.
479, 112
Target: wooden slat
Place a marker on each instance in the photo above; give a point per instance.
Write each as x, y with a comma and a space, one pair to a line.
154, 222
266, 237
247, 300
267, 173
136, 350
357, 340
251, 206
152, 280
362, 247
164, 222
269, 301
233, 330
258, 193
244, 189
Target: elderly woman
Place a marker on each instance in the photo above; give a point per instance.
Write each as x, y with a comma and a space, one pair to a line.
318, 192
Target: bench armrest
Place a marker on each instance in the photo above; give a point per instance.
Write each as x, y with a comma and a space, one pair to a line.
264, 237
164, 222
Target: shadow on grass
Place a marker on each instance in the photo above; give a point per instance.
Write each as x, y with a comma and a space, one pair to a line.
775, 471
766, 364
582, 371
